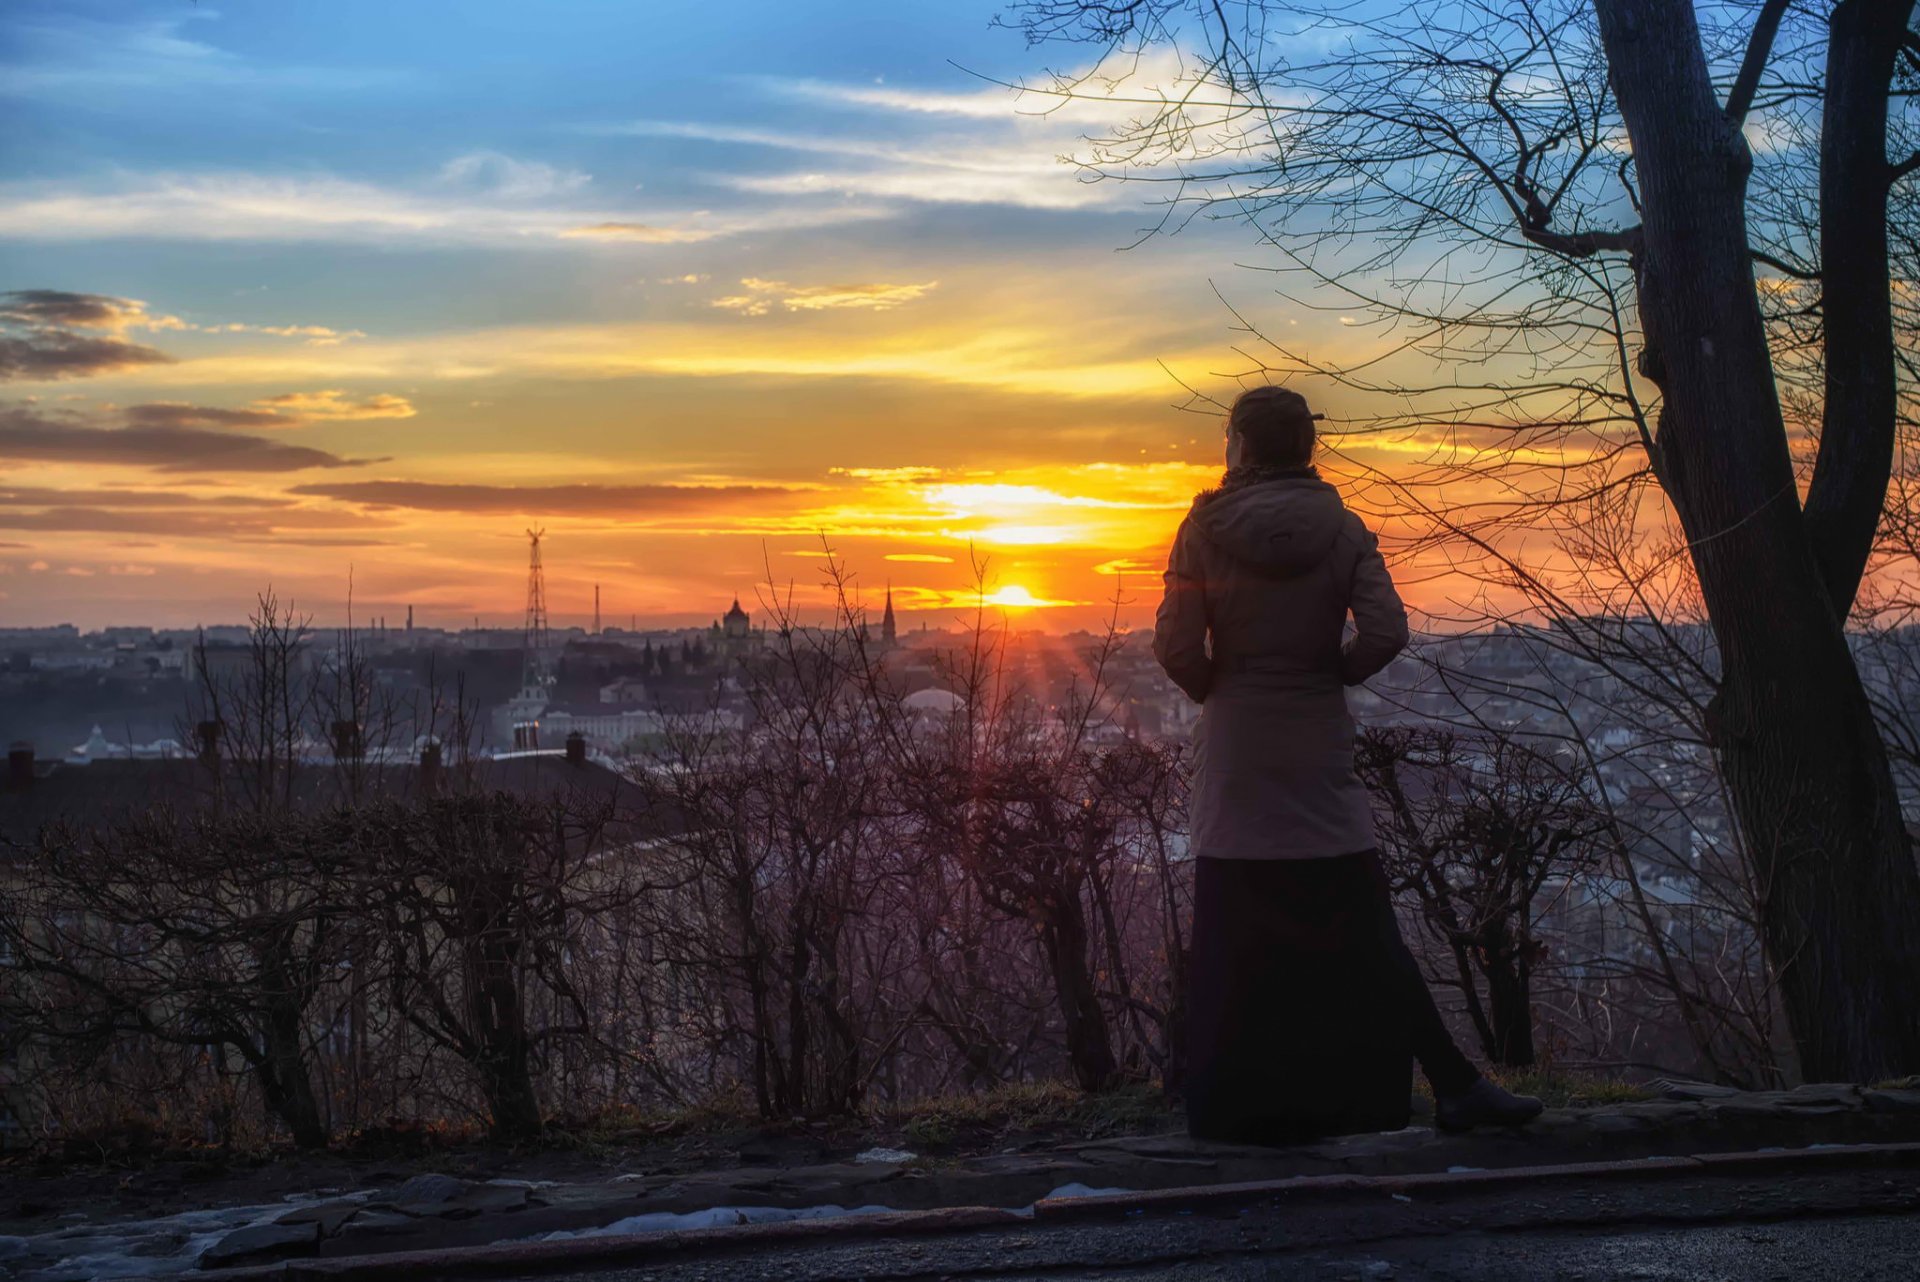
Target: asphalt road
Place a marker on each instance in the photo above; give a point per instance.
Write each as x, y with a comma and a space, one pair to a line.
1858, 1225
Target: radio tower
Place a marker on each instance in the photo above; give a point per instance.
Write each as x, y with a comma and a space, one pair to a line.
596, 609
536, 638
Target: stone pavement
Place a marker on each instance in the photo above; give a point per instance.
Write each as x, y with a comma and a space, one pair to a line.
437, 1212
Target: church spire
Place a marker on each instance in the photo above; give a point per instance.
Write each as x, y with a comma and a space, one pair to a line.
886, 620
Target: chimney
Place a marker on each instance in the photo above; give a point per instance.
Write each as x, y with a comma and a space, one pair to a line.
429, 766
348, 743
206, 738
19, 766
576, 749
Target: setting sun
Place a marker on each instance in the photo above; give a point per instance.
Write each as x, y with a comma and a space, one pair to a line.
1015, 597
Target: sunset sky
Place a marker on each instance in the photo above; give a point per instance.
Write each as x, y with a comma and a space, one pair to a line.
369, 287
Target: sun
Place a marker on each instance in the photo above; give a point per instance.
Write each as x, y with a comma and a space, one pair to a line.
1013, 597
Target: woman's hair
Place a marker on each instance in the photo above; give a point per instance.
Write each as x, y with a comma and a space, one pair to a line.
1276, 426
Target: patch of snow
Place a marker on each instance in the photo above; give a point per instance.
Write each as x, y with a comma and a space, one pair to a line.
714, 1217
1462, 1170
167, 1246
885, 1155
1082, 1190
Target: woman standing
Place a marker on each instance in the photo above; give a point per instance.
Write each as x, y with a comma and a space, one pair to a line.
1306, 1007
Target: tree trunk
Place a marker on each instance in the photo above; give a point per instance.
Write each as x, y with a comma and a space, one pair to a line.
500, 1034
1791, 726
1089, 1044
511, 1099
1856, 293
1509, 999
285, 1085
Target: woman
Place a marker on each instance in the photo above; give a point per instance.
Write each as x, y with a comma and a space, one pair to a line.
1306, 1006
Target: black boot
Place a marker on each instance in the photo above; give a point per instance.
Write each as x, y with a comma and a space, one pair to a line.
1484, 1104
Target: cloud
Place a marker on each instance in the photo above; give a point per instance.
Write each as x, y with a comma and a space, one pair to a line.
918, 558
626, 501
171, 414
968, 170
511, 179
269, 208
46, 496
27, 435
90, 61
1026, 181
60, 309
316, 335
762, 295
1024, 347
52, 310
993, 103
995, 145
39, 341
50, 355
333, 405
289, 409
888, 475
201, 523
640, 233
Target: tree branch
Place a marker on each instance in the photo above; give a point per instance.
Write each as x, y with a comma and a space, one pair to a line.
1782, 266
1759, 48
1584, 244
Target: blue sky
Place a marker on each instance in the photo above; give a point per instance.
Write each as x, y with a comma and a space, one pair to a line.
696, 285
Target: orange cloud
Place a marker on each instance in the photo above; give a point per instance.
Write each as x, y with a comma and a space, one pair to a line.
643, 233
333, 405
763, 295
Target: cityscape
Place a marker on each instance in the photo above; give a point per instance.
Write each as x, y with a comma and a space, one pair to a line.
1042, 638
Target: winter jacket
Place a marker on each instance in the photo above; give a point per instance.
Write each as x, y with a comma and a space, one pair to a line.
1259, 585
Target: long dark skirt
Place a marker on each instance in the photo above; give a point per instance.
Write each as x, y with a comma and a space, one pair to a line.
1297, 1021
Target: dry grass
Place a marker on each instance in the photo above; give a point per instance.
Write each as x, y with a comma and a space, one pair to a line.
1051, 1109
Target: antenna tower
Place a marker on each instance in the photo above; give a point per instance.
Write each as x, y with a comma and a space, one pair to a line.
536, 637
596, 609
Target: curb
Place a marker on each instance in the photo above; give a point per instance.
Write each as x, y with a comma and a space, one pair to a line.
1321, 1186
509, 1258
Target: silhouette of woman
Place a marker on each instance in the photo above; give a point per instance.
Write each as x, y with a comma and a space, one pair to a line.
1305, 1007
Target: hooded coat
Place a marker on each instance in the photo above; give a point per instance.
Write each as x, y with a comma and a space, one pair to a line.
1259, 585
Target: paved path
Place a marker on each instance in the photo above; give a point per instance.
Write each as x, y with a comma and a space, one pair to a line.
1853, 1225
435, 1215
433, 1212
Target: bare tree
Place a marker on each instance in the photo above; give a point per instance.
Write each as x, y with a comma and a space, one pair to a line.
217, 929
1478, 829
1547, 207
252, 710
474, 896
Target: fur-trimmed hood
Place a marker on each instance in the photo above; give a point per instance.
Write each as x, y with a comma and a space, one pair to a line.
1285, 526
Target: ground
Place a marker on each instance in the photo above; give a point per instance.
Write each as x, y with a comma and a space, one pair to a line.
170, 1215
1860, 1225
